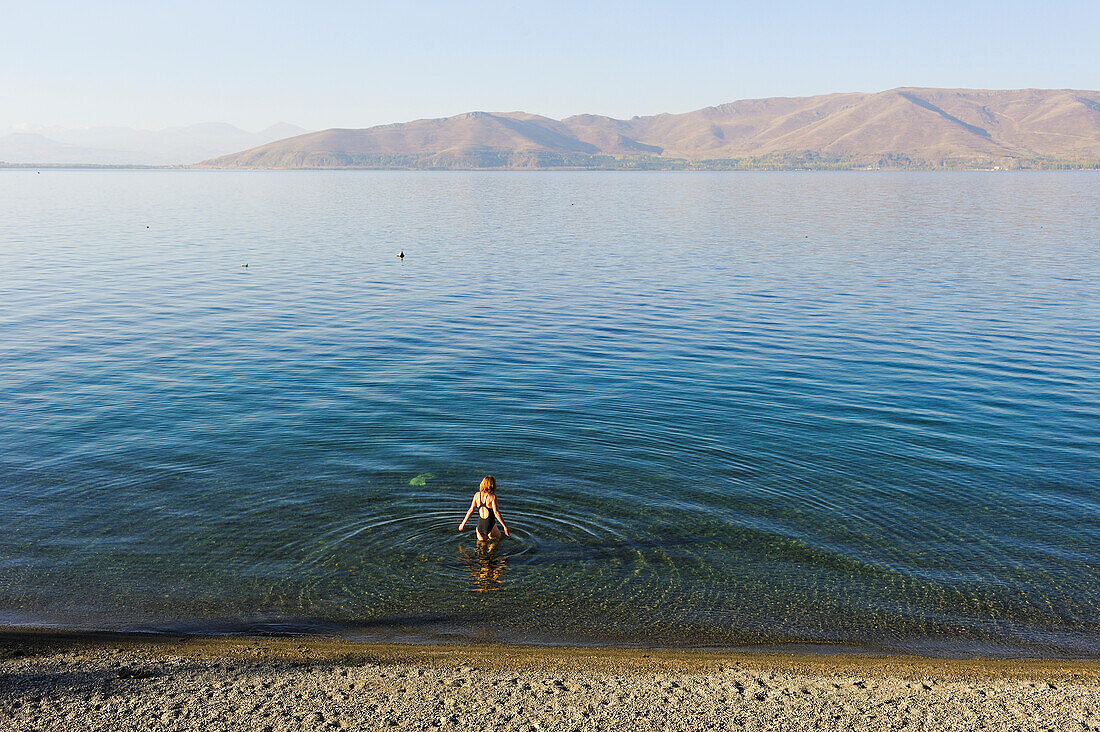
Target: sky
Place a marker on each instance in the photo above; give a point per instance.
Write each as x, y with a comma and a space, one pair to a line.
156, 64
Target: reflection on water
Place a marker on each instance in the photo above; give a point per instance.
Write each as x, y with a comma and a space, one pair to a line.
485, 565
723, 408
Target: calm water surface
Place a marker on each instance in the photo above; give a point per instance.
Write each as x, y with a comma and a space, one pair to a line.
723, 409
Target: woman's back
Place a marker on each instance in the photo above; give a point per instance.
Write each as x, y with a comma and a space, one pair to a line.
488, 513
486, 518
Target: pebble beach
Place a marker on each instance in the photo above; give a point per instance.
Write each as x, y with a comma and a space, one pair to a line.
51, 681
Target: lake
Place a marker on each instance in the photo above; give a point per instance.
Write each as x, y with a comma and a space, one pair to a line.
853, 410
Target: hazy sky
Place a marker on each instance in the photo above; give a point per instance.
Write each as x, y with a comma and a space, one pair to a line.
354, 64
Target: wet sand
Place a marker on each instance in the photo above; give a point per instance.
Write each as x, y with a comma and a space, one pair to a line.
73, 681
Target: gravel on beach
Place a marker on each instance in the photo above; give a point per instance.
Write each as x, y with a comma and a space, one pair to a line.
102, 682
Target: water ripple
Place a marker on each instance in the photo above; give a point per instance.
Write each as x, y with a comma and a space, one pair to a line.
788, 408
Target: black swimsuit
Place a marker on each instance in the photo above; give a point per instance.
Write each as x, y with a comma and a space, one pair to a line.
485, 525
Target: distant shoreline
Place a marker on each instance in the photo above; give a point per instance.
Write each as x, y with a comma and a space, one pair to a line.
1092, 167
86, 166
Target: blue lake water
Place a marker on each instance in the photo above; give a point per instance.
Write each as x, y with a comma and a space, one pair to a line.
729, 409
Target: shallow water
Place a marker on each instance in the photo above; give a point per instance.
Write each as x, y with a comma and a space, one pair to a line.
723, 409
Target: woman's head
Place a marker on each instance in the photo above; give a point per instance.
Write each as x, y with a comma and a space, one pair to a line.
488, 485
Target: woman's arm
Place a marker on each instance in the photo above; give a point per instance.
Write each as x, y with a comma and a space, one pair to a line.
500, 518
469, 512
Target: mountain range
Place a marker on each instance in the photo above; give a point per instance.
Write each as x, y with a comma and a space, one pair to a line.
126, 146
907, 127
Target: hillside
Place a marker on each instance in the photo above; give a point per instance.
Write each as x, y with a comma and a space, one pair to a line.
900, 128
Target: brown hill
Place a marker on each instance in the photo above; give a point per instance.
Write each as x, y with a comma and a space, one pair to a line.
907, 127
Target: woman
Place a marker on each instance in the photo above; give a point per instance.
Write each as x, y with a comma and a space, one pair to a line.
485, 502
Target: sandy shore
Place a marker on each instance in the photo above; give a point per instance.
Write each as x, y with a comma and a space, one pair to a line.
104, 682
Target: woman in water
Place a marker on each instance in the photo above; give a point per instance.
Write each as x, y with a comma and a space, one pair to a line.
485, 503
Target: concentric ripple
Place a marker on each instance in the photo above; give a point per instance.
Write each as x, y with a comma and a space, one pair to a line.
722, 409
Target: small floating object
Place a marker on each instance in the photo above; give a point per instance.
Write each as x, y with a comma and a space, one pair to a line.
401, 254
244, 265
421, 479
